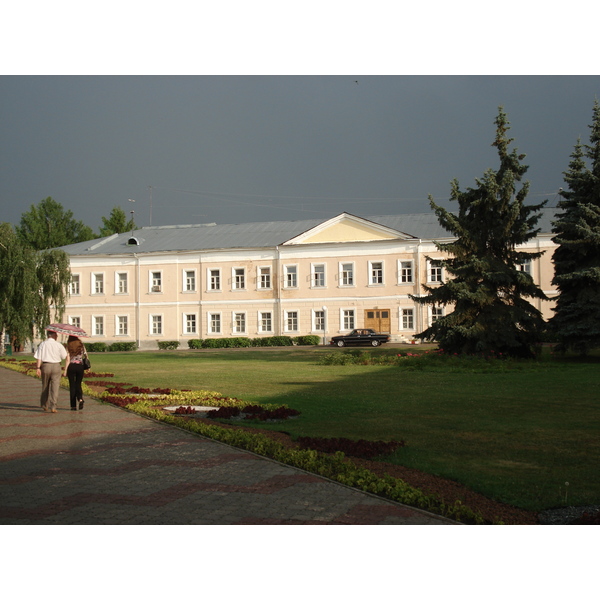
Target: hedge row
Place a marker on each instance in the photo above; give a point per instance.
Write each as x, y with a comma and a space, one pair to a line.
115, 347
243, 342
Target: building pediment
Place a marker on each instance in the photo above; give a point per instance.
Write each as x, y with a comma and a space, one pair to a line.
347, 228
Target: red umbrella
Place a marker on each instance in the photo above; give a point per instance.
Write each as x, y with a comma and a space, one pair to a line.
67, 329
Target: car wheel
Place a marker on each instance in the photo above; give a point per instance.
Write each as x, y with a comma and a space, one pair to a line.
340, 343
374, 343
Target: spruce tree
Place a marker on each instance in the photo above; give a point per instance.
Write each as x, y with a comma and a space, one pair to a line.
576, 322
487, 290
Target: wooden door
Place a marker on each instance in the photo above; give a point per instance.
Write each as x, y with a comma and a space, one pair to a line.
378, 319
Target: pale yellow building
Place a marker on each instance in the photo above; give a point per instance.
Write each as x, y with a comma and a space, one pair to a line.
263, 279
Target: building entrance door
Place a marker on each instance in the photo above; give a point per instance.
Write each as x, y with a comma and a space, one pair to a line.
378, 319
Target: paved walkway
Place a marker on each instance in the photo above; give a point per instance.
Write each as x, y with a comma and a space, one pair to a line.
105, 465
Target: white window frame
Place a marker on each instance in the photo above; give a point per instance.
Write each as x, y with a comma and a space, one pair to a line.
316, 320
185, 321
118, 328
152, 322
210, 322
213, 282
406, 313
260, 280
118, 281
290, 280
235, 278
372, 273
435, 271
286, 319
186, 286
234, 322
261, 321
98, 319
434, 317
75, 279
95, 278
345, 319
403, 267
346, 276
525, 266
313, 279
153, 287
75, 320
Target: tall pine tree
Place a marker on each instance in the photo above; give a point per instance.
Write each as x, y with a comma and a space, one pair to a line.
577, 259
486, 289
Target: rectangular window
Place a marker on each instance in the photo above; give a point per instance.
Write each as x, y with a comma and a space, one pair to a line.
74, 288
190, 323
291, 276
319, 320
189, 278
376, 275
121, 283
405, 271
239, 322
156, 324
156, 281
75, 321
98, 283
98, 325
239, 279
214, 325
265, 322
318, 275
436, 313
214, 279
347, 274
122, 325
435, 271
348, 319
264, 278
291, 320
407, 316
524, 266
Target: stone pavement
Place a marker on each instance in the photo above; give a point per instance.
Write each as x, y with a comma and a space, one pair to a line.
105, 465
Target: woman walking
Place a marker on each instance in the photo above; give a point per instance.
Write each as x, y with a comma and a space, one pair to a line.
74, 370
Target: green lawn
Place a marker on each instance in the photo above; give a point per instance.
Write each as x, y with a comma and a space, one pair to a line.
515, 432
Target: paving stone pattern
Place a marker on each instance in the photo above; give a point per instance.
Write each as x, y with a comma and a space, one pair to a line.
105, 465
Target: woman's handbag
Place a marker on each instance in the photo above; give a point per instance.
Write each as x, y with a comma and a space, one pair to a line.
85, 361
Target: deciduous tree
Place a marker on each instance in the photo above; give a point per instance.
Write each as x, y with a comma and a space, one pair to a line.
48, 225
33, 286
116, 223
487, 290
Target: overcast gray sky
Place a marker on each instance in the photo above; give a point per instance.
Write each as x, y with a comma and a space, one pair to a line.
231, 149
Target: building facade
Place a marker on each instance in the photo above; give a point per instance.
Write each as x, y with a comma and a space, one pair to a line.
264, 279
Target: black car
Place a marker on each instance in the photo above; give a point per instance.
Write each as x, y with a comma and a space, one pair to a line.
360, 337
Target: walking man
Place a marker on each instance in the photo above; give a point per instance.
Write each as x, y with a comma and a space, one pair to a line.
49, 355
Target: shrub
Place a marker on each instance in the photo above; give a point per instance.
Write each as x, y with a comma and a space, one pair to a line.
308, 340
122, 347
357, 448
96, 347
195, 344
168, 345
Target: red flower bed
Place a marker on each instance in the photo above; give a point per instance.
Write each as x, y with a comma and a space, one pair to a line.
357, 448
253, 411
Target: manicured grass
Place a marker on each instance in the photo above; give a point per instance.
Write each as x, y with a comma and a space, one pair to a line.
514, 431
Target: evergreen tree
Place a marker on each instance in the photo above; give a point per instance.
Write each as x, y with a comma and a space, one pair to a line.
116, 223
577, 259
487, 289
33, 286
48, 225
